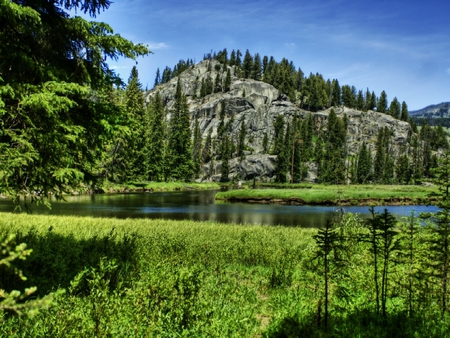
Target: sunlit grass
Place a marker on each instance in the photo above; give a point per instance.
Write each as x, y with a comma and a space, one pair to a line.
333, 194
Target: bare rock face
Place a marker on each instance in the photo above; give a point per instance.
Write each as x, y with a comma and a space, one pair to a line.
258, 104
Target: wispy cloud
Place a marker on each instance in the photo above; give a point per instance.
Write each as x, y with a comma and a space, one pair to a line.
158, 45
448, 71
290, 44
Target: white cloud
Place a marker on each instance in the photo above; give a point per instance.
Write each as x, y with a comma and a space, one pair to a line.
158, 45
289, 44
448, 71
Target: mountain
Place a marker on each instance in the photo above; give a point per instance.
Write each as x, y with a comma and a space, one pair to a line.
441, 110
258, 104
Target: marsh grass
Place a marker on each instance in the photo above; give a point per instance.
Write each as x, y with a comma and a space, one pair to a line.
322, 194
161, 278
160, 186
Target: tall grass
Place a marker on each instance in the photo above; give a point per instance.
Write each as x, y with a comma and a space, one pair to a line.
144, 278
320, 194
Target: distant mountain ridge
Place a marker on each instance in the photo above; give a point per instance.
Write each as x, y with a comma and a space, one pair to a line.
441, 110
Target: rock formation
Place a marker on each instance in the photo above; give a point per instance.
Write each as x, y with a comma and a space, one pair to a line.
258, 104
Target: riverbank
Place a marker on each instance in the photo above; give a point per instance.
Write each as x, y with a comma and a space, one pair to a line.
339, 195
139, 278
109, 187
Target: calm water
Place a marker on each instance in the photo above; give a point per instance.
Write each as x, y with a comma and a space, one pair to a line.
200, 206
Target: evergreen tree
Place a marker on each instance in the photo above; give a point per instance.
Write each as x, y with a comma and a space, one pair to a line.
209, 86
56, 117
404, 114
360, 103
382, 103
364, 165
257, 68
217, 84
206, 152
334, 156
336, 94
247, 65
155, 138
197, 148
180, 166
395, 109
157, 78
227, 84
203, 89
241, 143
403, 170
225, 156
133, 152
279, 134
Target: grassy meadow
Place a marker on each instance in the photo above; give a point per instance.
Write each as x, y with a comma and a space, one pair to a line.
333, 194
159, 278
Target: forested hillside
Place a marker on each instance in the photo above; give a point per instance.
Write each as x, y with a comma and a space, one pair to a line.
255, 118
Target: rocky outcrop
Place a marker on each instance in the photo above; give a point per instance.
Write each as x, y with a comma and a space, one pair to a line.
258, 104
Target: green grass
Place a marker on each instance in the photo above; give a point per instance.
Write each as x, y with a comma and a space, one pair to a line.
159, 186
323, 194
160, 278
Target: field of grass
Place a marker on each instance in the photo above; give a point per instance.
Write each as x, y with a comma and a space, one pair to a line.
159, 278
159, 186
333, 194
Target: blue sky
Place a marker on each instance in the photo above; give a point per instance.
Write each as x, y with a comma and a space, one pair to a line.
402, 46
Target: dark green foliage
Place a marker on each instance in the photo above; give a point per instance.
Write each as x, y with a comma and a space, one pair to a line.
62, 60
225, 157
247, 66
241, 141
383, 245
382, 103
155, 140
327, 243
364, 165
179, 159
404, 115
206, 152
395, 109
403, 169
383, 163
217, 84
197, 148
157, 78
333, 166
227, 84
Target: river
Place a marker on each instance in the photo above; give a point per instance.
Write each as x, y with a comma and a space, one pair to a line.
201, 206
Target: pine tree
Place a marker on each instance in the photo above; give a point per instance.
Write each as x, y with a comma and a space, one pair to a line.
241, 142
225, 156
217, 84
197, 147
56, 114
256, 68
206, 152
404, 114
364, 165
132, 153
157, 78
395, 109
180, 166
382, 103
155, 139
227, 84
247, 65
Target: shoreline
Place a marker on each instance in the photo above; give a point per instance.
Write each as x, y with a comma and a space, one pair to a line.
334, 195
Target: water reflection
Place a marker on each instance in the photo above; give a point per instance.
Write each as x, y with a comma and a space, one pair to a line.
200, 206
